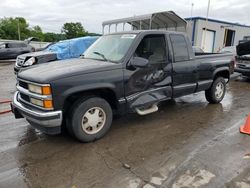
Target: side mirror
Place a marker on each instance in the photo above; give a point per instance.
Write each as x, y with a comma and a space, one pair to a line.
139, 62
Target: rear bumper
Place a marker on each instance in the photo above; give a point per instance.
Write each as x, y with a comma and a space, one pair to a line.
48, 122
244, 72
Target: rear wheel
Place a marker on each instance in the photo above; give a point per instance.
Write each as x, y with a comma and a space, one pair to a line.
90, 119
216, 92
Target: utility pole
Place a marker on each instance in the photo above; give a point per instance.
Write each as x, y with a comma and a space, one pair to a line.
204, 43
192, 6
191, 25
18, 30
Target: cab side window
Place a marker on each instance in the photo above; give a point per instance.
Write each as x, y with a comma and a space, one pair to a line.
12, 45
153, 48
23, 45
180, 48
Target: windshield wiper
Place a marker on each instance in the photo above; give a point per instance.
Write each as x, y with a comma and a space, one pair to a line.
102, 55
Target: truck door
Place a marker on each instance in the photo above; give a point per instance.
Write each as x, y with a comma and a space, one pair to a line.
185, 69
148, 85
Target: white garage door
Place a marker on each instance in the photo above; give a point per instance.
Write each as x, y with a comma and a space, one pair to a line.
207, 43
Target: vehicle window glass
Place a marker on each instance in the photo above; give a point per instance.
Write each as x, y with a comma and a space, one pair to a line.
110, 47
180, 48
2, 46
18, 45
13, 45
9, 45
153, 48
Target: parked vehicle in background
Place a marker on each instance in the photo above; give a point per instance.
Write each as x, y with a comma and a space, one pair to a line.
245, 39
10, 50
243, 59
197, 50
44, 47
120, 73
65, 49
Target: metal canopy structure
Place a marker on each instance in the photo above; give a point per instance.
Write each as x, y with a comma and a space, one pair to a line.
167, 20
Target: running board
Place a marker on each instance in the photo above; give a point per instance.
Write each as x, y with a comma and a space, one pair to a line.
150, 110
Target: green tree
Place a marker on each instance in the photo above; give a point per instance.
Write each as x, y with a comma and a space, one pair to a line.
9, 28
53, 37
37, 32
73, 30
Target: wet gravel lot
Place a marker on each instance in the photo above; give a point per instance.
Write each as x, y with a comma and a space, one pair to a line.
187, 143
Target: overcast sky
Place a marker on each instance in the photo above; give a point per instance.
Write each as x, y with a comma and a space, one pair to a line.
51, 14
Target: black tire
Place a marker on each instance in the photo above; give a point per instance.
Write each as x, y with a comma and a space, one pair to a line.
79, 111
211, 95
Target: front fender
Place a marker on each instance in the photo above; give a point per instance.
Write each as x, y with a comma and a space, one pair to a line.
82, 88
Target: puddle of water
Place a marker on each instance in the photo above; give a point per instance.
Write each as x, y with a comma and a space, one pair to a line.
242, 185
196, 180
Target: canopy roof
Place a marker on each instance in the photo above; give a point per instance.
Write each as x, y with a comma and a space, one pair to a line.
161, 20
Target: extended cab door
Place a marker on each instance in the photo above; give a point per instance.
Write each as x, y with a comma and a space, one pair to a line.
185, 67
148, 85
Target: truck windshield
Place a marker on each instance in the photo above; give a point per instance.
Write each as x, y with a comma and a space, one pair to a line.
110, 47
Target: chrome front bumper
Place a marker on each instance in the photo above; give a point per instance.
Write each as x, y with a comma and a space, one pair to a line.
36, 117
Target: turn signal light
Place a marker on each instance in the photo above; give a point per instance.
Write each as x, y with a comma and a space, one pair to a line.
46, 90
47, 104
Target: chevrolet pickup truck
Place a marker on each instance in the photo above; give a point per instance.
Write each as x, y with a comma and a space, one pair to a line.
120, 73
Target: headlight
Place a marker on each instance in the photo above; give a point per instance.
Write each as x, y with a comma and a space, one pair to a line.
30, 61
36, 102
35, 88
43, 103
42, 90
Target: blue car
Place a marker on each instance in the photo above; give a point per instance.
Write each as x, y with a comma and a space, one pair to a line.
66, 49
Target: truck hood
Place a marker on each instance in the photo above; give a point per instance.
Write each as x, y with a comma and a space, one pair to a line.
243, 48
45, 73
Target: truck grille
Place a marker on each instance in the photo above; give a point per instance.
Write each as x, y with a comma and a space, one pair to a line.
23, 84
25, 97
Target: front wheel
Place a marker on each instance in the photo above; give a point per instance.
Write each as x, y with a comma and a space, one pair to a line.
216, 92
90, 119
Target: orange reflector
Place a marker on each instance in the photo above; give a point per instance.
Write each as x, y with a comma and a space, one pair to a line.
47, 104
46, 90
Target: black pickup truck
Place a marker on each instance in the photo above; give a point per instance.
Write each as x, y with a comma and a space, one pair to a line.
120, 73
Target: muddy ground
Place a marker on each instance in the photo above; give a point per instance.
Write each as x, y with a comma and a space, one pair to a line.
187, 143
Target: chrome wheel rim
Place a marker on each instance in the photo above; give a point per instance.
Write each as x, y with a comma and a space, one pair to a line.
219, 90
93, 120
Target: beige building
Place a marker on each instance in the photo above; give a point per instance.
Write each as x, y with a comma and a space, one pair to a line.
215, 34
